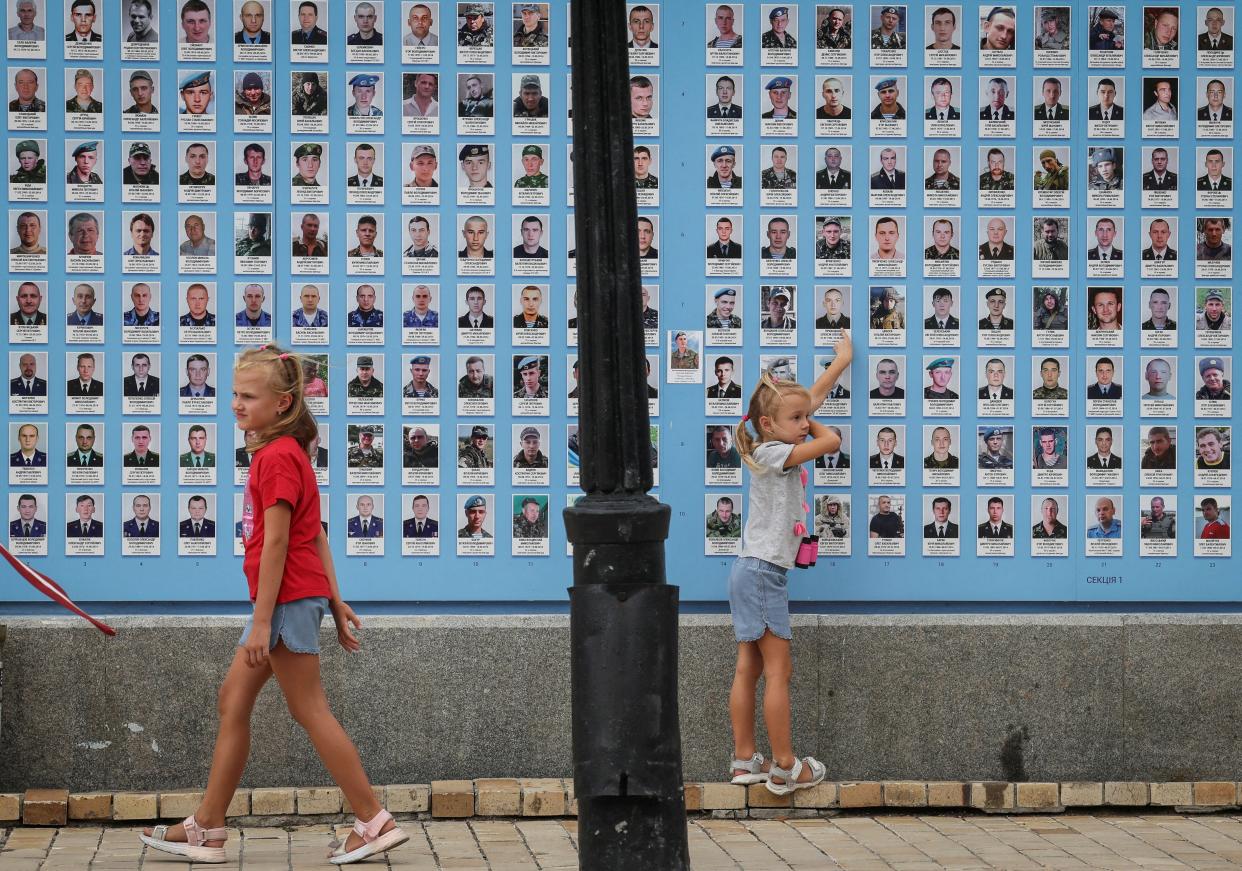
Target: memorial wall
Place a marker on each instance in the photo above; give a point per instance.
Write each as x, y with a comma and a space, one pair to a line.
1022, 216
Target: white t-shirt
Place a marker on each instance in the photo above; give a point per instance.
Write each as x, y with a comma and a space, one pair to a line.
776, 499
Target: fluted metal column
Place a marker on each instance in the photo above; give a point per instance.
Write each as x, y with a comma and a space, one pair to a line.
623, 615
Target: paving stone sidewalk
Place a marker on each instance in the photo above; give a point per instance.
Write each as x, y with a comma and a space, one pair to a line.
1152, 842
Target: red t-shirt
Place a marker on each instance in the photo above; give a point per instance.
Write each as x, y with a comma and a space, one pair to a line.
279, 471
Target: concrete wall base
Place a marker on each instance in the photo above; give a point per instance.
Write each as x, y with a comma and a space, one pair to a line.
1044, 698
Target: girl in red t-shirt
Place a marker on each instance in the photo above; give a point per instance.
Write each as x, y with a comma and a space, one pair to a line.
292, 583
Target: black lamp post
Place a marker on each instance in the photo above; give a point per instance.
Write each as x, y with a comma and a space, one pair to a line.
623, 615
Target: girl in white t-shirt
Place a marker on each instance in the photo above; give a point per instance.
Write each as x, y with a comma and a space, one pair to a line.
784, 437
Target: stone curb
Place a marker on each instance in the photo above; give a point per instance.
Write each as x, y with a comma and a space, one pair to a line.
554, 797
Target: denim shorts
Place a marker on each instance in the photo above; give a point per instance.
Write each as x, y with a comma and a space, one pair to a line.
296, 623
758, 599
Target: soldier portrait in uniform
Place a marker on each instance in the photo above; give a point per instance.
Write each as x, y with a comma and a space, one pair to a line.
994, 246
365, 313
1052, 175
31, 167
83, 100
1049, 244
474, 233
1213, 315
721, 317
1214, 178
725, 107
1212, 245
364, 452
530, 377
942, 108
420, 450
891, 32
530, 519
888, 176
996, 101
533, 176
941, 526
530, 455
475, 450
643, 177
996, 449
725, 387
365, 524
29, 311
308, 31
476, 316
1050, 381
995, 526
887, 311
309, 97
366, 16
995, 177
28, 453
476, 29
942, 178
1053, 33
723, 521
311, 240
942, 247
834, 316
726, 36
364, 384
83, 313
197, 93
530, 314
1159, 177
942, 317
26, 87
1213, 37
1051, 448
1051, 310
1051, 107
475, 509
362, 88
85, 156
836, 29
252, 95
419, 385
476, 383
1160, 27
252, 16
82, 15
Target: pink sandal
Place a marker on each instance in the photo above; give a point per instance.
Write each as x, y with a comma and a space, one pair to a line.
372, 841
193, 846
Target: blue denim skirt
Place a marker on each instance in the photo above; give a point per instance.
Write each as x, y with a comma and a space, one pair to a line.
758, 599
296, 623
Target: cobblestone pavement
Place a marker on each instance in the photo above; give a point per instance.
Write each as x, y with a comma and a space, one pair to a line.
868, 843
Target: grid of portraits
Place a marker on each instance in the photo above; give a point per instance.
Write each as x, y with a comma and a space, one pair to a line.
386, 187
1002, 278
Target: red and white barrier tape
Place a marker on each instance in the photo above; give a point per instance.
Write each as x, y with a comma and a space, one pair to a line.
52, 590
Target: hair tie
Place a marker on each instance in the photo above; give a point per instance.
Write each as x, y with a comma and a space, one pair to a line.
745, 417
284, 356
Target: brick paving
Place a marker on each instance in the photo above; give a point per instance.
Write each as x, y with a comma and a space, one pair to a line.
860, 842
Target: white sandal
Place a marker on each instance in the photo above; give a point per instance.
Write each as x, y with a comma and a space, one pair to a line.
753, 768
372, 841
192, 847
791, 784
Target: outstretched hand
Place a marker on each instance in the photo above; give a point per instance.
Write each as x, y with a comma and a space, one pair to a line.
346, 621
